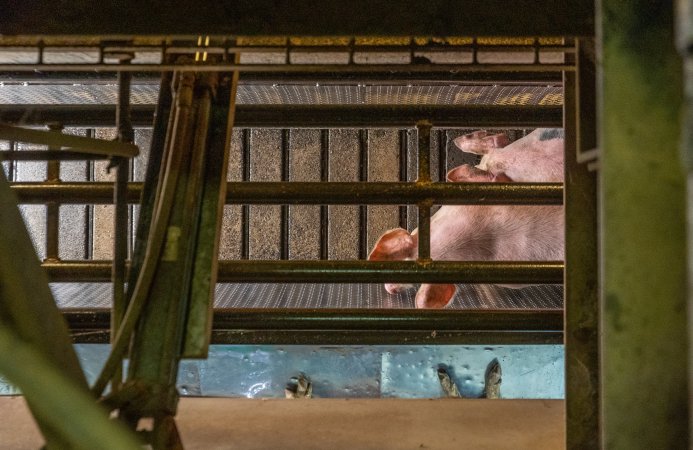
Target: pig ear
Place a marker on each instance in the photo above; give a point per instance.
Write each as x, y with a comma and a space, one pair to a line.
481, 142
395, 245
465, 172
435, 296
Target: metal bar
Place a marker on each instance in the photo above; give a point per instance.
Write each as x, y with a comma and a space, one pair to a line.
75, 143
53, 208
284, 225
365, 327
292, 68
643, 285
47, 155
581, 254
245, 209
313, 193
371, 78
89, 209
324, 177
363, 209
505, 272
120, 216
442, 155
423, 131
334, 18
309, 116
403, 172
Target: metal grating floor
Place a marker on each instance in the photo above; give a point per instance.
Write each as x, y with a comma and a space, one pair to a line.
256, 295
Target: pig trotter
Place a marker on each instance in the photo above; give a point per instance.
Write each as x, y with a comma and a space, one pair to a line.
448, 385
492, 380
299, 387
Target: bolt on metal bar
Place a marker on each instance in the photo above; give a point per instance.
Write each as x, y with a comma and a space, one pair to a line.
315, 271
324, 177
316, 193
53, 208
285, 165
363, 209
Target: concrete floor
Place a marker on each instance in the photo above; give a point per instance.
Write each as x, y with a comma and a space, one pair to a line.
216, 423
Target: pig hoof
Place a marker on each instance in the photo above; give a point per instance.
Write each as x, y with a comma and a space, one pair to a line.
492, 380
299, 387
447, 383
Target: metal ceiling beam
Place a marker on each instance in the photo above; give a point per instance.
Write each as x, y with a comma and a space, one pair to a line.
302, 18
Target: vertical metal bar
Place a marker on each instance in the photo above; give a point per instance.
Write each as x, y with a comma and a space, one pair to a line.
581, 284
120, 221
363, 209
245, 209
89, 209
423, 129
52, 208
442, 155
284, 233
11, 165
403, 172
324, 177
643, 204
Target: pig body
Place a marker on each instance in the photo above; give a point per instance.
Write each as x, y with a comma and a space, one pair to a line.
490, 232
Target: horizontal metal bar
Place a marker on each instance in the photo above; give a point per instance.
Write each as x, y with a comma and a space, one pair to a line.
309, 116
506, 272
48, 155
303, 18
331, 68
371, 78
333, 193
363, 326
73, 143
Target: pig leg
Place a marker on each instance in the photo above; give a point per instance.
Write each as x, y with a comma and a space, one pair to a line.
395, 245
481, 142
435, 296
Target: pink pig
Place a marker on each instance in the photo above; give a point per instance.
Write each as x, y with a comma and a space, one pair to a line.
492, 232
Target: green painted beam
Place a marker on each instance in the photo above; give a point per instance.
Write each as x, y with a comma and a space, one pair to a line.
643, 231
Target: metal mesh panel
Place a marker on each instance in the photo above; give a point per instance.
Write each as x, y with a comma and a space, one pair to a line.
256, 295
298, 94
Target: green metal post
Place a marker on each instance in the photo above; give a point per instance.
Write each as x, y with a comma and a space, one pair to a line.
581, 256
643, 232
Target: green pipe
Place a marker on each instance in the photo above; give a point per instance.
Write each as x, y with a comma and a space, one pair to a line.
57, 401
